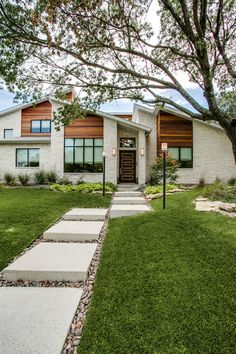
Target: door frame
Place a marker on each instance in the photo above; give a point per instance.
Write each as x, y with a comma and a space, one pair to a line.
135, 162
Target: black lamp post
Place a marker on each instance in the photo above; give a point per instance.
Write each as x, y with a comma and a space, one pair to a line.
164, 148
104, 173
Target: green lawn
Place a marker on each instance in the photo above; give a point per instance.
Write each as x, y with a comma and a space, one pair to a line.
166, 284
26, 213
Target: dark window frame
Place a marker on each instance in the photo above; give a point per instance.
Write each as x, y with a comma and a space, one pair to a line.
82, 146
41, 120
28, 166
179, 153
4, 133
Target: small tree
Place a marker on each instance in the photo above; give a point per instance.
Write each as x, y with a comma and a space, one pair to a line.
157, 170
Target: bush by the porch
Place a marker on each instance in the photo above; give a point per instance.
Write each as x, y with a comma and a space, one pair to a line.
157, 171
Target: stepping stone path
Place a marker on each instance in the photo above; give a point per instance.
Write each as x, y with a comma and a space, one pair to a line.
74, 231
37, 319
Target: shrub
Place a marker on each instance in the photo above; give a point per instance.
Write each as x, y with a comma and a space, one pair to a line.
9, 179
24, 179
40, 177
83, 187
215, 190
51, 177
64, 181
232, 181
159, 189
157, 170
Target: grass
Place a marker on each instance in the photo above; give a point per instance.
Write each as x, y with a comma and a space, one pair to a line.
26, 213
165, 284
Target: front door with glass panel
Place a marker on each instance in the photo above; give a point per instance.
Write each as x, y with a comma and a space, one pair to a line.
127, 166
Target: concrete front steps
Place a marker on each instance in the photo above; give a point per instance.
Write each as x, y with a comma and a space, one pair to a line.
128, 187
128, 200
74, 231
128, 194
52, 261
36, 320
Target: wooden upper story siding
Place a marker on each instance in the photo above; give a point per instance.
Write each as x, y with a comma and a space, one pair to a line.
42, 110
89, 127
124, 116
173, 130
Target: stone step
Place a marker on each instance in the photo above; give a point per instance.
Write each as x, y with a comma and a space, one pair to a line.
53, 262
128, 194
74, 231
36, 320
86, 214
117, 211
128, 200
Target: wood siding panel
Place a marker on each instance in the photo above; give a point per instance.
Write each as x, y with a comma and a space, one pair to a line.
40, 111
174, 130
89, 127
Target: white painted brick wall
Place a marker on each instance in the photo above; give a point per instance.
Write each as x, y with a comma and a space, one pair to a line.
212, 156
110, 141
141, 159
8, 159
11, 121
148, 120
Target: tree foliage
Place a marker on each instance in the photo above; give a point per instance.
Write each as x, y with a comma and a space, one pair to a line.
109, 49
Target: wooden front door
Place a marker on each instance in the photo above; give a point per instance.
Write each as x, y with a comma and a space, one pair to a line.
127, 166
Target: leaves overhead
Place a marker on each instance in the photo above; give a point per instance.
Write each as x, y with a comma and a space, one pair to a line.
111, 49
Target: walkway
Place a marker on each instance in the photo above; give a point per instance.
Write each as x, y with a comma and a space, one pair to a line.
37, 318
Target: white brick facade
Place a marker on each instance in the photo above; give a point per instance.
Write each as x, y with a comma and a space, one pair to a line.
212, 152
212, 156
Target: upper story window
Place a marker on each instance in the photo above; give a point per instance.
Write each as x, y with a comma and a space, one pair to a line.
184, 155
127, 143
27, 157
83, 155
40, 126
8, 133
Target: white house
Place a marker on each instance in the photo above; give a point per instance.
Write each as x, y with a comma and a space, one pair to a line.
29, 142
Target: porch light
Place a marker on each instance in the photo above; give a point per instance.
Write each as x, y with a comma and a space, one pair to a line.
142, 151
113, 151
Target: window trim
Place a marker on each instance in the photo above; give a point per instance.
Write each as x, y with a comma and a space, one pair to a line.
41, 120
27, 149
4, 135
82, 146
179, 148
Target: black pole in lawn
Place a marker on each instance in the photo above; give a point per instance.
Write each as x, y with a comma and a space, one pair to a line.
164, 179
104, 174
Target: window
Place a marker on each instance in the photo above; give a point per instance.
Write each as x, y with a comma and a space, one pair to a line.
127, 143
83, 155
27, 157
182, 154
8, 133
40, 126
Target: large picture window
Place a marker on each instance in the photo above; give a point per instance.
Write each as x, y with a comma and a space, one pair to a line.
40, 126
27, 157
184, 155
83, 155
